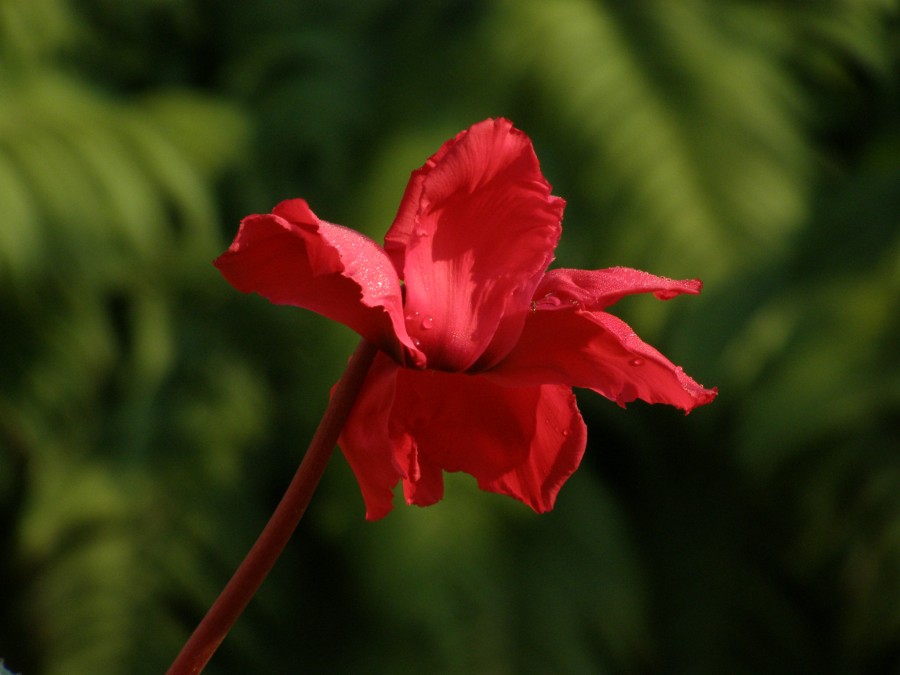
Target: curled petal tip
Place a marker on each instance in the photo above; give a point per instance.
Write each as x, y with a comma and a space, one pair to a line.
689, 286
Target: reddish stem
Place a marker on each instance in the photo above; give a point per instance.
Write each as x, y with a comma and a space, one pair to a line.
259, 561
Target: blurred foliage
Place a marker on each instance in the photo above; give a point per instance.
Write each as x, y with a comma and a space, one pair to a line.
150, 416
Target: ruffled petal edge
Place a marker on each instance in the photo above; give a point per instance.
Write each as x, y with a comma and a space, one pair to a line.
292, 257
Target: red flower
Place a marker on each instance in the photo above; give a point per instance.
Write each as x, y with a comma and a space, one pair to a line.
481, 346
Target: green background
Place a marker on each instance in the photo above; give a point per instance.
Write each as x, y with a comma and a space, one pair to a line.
151, 416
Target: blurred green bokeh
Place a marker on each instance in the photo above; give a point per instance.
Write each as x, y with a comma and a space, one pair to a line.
150, 416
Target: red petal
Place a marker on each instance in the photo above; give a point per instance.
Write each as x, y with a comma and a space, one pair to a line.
424, 481
365, 439
474, 233
556, 451
519, 441
598, 351
291, 257
598, 289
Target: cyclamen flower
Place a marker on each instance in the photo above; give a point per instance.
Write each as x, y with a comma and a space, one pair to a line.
480, 344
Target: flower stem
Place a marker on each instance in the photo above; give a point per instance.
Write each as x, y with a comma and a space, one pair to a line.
259, 561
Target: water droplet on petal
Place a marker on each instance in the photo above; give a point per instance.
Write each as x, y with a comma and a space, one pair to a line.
565, 432
417, 342
637, 362
421, 232
427, 323
550, 300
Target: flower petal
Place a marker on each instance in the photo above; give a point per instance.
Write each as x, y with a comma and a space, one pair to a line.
365, 439
554, 455
519, 441
424, 482
291, 257
598, 289
475, 231
601, 352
